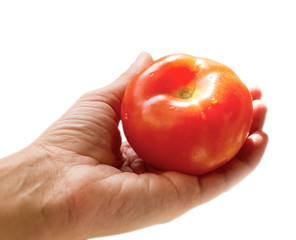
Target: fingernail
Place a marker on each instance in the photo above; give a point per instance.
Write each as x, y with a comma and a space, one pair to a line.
141, 60
141, 55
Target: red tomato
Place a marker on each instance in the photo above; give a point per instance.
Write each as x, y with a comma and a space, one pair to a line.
186, 114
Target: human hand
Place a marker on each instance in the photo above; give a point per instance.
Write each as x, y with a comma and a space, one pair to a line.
78, 181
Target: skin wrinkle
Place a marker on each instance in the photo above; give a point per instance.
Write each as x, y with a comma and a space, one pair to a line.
93, 143
82, 154
114, 205
177, 191
97, 121
147, 183
138, 166
251, 142
129, 203
32, 187
94, 121
183, 192
170, 203
62, 203
117, 133
67, 136
90, 132
116, 201
126, 166
211, 184
73, 203
103, 98
199, 191
100, 109
71, 133
115, 105
53, 152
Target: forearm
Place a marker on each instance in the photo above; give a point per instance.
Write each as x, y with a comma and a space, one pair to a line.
26, 207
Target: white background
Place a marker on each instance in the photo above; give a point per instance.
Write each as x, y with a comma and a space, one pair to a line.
51, 52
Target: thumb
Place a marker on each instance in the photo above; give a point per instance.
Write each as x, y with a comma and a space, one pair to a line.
120, 84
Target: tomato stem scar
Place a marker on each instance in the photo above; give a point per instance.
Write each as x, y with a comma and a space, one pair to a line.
185, 92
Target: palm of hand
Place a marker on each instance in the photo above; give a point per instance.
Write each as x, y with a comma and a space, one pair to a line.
110, 189
82, 142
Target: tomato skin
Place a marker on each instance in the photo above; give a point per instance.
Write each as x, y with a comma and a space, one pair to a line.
186, 114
